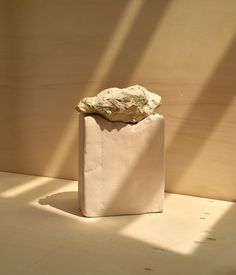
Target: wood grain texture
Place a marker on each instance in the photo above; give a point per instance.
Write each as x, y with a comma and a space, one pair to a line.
53, 53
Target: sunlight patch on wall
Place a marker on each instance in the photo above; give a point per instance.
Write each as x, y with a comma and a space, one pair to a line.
115, 44
100, 72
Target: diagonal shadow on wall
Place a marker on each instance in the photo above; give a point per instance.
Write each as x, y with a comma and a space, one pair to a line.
200, 122
46, 55
46, 48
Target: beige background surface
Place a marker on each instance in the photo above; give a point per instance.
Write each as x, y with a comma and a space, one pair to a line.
53, 53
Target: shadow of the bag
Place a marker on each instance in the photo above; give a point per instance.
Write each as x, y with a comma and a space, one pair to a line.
65, 201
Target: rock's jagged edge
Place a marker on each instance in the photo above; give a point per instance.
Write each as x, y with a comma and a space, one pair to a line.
129, 105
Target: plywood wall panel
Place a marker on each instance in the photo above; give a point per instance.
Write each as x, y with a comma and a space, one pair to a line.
53, 53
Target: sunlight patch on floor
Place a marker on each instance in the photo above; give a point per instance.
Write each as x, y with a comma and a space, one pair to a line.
25, 187
185, 223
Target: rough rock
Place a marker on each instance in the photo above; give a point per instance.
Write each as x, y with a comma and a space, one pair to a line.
131, 104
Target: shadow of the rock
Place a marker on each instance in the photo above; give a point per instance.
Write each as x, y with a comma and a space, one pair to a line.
65, 201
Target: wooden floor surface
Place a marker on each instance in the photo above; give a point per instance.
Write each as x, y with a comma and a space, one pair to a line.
42, 232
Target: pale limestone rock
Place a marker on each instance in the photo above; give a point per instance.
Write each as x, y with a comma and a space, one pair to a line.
121, 166
130, 104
